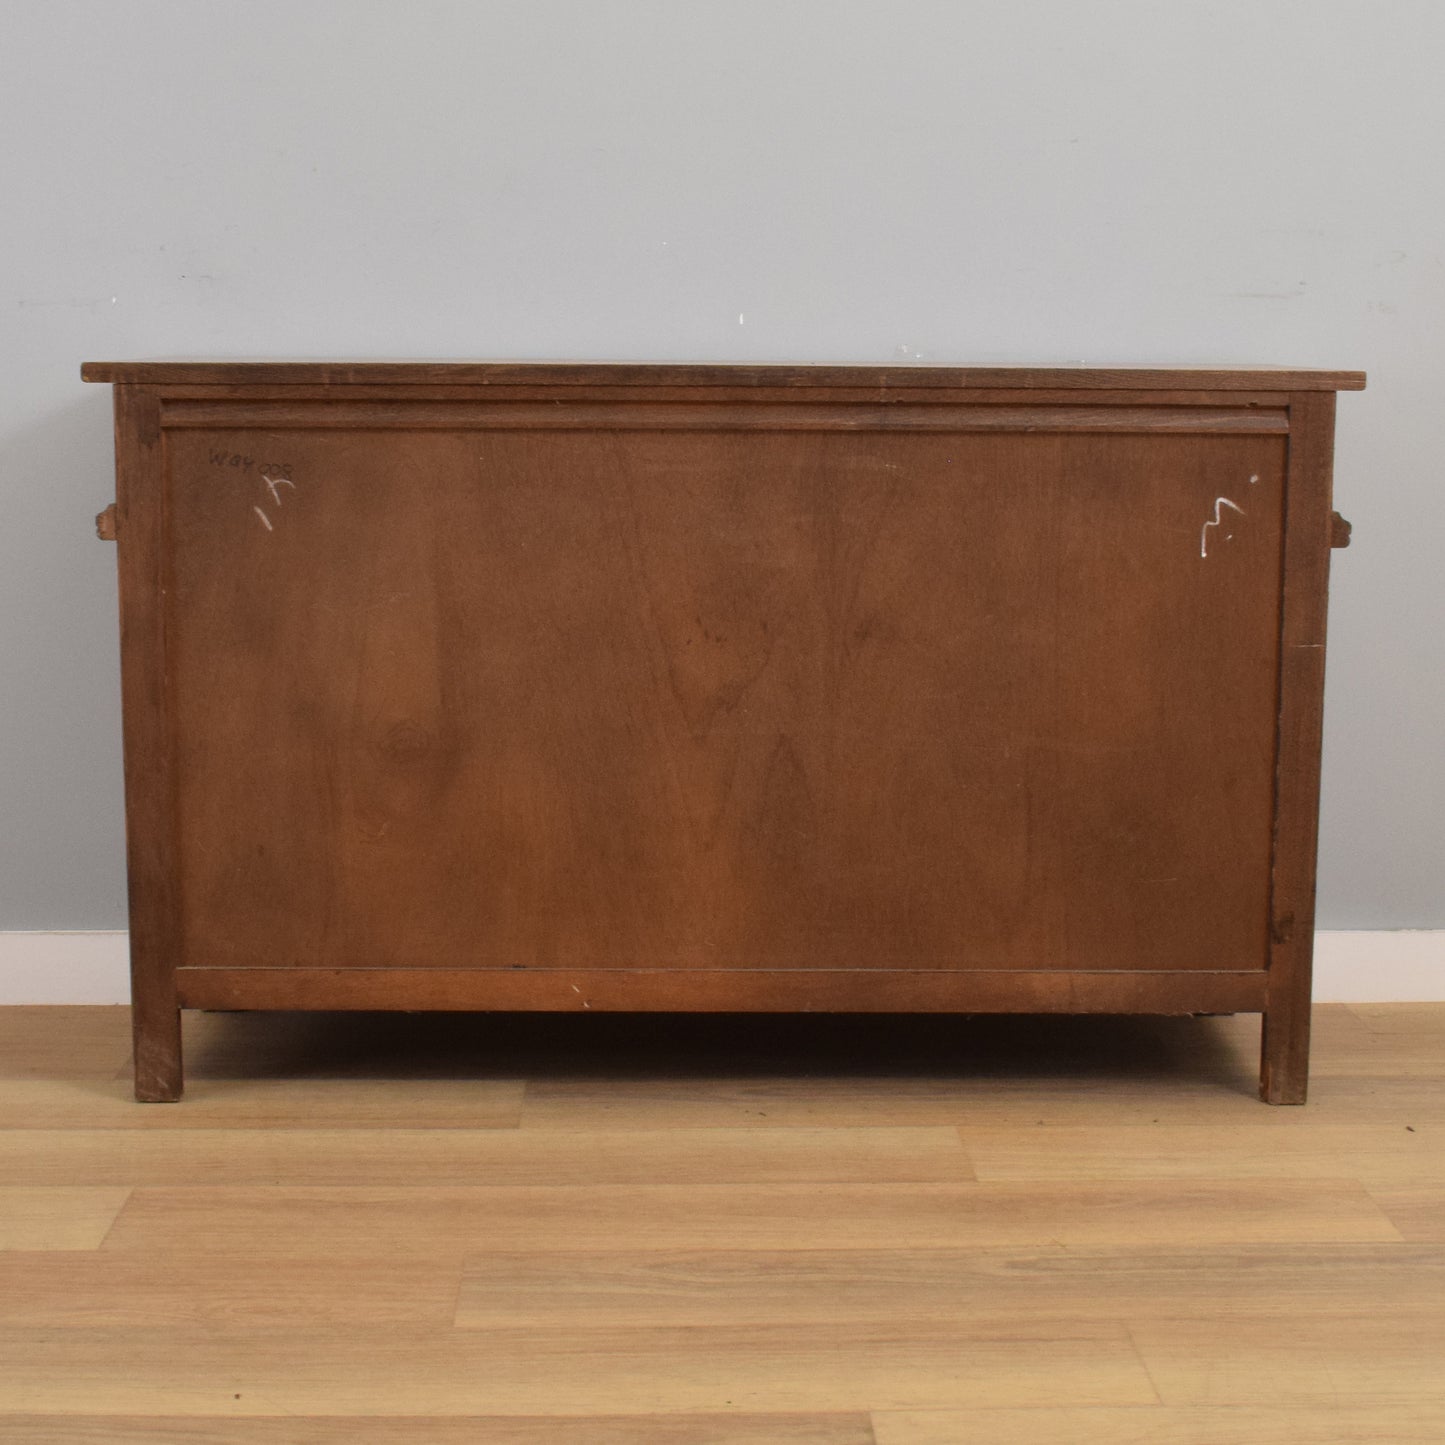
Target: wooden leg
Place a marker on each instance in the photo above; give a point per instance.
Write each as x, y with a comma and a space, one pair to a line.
1284, 1066
156, 1030
150, 796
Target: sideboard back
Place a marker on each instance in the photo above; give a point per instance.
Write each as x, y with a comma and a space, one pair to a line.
709, 688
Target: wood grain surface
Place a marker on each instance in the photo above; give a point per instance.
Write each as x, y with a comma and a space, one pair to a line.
344, 373
726, 1269
694, 1428
739, 689
719, 701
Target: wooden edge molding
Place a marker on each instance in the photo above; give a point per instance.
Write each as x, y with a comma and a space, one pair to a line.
644, 414
334, 373
724, 990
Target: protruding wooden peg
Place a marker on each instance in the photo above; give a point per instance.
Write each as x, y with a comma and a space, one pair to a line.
1339, 531
105, 524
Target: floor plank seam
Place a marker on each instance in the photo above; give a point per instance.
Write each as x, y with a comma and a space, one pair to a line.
1143, 1363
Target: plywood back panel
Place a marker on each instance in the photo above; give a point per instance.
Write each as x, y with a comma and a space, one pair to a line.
722, 698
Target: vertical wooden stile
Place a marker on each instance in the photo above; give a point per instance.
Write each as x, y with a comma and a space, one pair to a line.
143, 564
1284, 1069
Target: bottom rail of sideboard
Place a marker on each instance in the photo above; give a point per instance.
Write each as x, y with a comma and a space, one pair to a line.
161, 996
725, 990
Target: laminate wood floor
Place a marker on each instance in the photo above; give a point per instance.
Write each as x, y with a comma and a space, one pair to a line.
625, 1230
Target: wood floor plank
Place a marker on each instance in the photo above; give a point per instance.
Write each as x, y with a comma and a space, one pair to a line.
357, 1156
1332, 1424
1419, 1214
1392, 1041
706, 1232
915, 1101
1296, 1359
661, 1429
857, 1102
1341, 1044
57, 1219
206, 1290
1370, 1041
1404, 1022
1382, 1055
577, 1372
322, 1221
86, 1103
63, 1041
629, 1105
1384, 1154
805, 1287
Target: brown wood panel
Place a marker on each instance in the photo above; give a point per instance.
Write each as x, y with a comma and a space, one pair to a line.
486, 414
1284, 1071
733, 688
723, 701
542, 389
722, 990
144, 565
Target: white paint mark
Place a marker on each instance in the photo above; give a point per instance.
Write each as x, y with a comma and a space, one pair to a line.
1204, 530
740, 318
1253, 479
265, 520
274, 482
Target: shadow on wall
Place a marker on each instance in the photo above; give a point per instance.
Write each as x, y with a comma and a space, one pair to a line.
61, 812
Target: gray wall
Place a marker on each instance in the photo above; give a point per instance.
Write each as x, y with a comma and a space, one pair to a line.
819, 181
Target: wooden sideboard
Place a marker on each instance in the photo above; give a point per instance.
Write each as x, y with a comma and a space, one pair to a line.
721, 688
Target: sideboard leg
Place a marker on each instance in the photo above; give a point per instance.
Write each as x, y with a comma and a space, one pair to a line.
157, 1035
1284, 1066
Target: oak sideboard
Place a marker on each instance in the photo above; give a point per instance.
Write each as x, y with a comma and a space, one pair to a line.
721, 688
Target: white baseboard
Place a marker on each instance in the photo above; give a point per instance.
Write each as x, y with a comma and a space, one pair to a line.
1404, 965
1374, 966
63, 967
